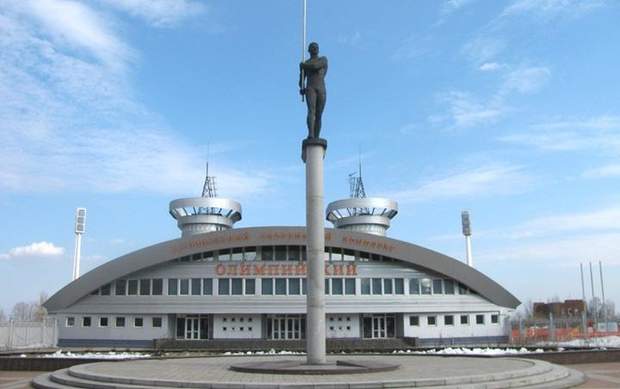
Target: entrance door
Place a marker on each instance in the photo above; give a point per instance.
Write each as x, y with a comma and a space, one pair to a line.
192, 328
378, 326
286, 327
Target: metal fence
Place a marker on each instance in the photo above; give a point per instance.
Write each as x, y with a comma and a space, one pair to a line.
16, 335
572, 332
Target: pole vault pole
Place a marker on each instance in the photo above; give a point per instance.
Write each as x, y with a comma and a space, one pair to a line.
303, 47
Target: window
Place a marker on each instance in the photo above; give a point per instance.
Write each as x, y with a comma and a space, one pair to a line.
138, 322
437, 286
120, 289
327, 288
103, 322
249, 254
157, 322
158, 287
448, 286
387, 286
414, 320
294, 286
348, 255
105, 290
448, 320
280, 253
223, 255
237, 254
426, 286
281, 286
337, 286
399, 286
173, 285
237, 286
303, 286
349, 286
267, 253
86, 321
70, 321
479, 319
223, 286
414, 286
184, 289
250, 286
132, 287
464, 319
462, 289
196, 287
365, 285
207, 286
294, 253
431, 320
495, 318
120, 321
267, 286
376, 286
145, 287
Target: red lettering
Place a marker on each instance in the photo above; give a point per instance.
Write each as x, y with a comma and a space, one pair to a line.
220, 269
327, 273
259, 270
231, 270
244, 270
337, 270
351, 270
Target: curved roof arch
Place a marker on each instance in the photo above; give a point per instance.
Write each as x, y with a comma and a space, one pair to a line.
258, 236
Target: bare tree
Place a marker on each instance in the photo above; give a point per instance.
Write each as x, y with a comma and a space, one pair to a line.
39, 311
22, 311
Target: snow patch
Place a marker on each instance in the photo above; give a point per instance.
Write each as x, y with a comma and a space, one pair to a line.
106, 355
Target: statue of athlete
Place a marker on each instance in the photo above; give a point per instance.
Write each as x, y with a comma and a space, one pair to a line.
313, 72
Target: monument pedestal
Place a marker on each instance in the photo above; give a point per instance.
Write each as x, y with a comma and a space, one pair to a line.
313, 153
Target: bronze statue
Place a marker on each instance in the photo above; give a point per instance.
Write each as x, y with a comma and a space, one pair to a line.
313, 72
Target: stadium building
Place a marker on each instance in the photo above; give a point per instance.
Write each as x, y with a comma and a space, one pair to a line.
247, 285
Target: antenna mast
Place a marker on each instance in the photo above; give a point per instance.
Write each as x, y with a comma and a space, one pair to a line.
208, 189
356, 184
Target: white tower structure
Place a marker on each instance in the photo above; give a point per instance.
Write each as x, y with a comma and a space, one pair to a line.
80, 228
199, 215
466, 224
371, 215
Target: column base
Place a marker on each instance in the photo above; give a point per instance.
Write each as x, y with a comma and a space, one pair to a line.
312, 142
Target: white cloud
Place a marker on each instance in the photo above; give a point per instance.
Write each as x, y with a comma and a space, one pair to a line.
559, 251
159, 13
483, 49
612, 170
352, 39
34, 250
490, 66
525, 80
465, 111
605, 219
478, 182
596, 133
75, 26
551, 8
70, 121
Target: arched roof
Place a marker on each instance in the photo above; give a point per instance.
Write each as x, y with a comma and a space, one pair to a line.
259, 236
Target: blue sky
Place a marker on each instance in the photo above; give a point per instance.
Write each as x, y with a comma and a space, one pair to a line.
510, 109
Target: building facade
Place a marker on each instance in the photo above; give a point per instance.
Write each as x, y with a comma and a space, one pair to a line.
249, 283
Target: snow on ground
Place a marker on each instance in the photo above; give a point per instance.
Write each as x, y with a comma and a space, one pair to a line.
102, 355
270, 352
604, 341
473, 351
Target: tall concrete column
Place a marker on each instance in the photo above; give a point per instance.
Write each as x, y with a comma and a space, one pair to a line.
313, 153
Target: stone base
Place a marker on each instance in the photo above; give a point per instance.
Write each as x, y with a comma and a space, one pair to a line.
312, 142
299, 367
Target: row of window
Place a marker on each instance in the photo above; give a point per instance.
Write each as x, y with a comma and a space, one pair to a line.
119, 321
279, 253
448, 320
280, 286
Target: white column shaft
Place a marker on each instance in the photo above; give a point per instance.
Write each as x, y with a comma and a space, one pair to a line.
315, 318
470, 261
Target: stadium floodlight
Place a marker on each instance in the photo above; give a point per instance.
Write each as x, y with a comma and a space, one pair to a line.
466, 224
80, 228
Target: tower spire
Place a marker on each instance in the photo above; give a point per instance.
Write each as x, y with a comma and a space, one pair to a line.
208, 189
356, 184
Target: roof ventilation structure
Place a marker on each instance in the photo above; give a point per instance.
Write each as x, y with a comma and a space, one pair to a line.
208, 213
371, 215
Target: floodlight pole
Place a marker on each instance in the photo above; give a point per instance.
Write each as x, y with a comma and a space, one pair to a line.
80, 228
466, 225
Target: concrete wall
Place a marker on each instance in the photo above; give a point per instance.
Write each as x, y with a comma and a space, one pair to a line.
237, 326
342, 326
457, 330
129, 332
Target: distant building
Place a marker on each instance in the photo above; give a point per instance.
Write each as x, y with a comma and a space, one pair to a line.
561, 310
